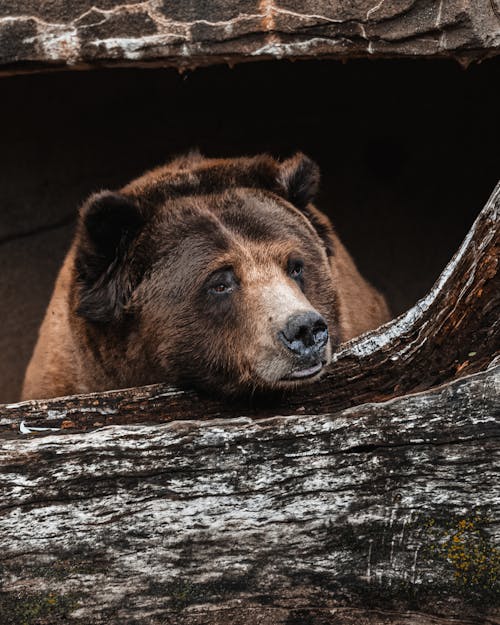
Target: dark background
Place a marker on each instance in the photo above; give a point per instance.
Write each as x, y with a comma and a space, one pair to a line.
408, 151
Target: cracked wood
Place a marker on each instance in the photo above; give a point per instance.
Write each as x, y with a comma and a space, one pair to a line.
36, 35
385, 513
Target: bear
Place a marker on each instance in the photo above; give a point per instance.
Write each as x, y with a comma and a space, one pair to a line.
206, 273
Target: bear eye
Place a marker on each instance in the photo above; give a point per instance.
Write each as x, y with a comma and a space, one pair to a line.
295, 268
220, 288
222, 282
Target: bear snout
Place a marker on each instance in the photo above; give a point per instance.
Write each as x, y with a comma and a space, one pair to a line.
305, 335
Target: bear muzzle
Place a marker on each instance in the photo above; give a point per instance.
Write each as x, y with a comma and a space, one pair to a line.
291, 342
306, 336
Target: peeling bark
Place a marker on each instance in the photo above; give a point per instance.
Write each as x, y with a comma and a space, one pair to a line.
36, 35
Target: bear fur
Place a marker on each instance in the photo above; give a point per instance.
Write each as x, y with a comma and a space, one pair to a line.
193, 274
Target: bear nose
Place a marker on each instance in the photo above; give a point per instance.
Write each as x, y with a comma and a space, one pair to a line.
305, 334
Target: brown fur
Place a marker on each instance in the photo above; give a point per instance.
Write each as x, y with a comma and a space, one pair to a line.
136, 302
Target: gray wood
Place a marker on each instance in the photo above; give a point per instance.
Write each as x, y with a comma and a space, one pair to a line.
381, 513
36, 35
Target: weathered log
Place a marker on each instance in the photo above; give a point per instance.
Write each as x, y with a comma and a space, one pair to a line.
382, 513
452, 332
59, 34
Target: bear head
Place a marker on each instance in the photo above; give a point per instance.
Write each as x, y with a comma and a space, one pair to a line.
210, 273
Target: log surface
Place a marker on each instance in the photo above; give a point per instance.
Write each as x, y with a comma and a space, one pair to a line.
36, 35
382, 513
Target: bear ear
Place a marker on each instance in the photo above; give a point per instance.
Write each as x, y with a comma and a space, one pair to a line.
109, 222
299, 178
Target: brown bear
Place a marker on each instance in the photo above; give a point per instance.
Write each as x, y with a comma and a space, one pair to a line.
212, 273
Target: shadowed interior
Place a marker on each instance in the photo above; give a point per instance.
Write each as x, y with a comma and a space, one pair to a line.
407, 151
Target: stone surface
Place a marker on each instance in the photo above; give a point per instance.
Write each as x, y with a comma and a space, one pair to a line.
193, 33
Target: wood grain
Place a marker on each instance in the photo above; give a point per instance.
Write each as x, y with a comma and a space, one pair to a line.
382, 513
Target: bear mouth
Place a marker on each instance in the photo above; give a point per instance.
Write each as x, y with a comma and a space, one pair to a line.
304, 374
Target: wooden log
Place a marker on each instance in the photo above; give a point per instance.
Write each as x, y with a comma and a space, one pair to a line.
452, 332
382, 513
58, 34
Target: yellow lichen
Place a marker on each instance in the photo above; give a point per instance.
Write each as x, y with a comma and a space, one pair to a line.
468, 550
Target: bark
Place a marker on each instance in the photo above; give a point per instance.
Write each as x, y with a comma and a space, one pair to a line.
452, 332
382, 513
40, 35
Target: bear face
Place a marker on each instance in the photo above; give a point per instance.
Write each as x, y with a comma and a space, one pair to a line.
212, 273
209, 273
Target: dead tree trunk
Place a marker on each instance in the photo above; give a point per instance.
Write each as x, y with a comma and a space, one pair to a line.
375, 501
